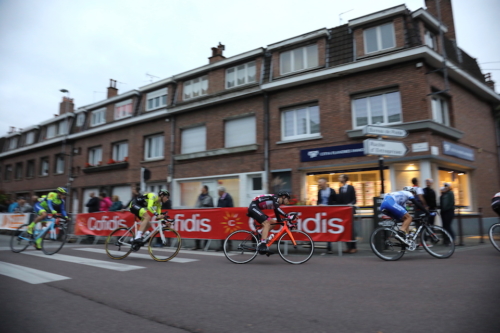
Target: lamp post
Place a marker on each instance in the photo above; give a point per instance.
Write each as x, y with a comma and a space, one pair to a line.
70, 178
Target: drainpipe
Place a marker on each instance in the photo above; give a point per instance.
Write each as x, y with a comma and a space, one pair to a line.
266, 140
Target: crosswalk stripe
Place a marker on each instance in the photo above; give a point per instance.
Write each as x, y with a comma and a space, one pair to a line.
134, 255
85, 261
29, 275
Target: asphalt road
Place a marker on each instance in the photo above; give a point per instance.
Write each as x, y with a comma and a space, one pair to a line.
353, 293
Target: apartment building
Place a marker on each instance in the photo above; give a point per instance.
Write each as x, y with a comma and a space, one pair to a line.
281, 117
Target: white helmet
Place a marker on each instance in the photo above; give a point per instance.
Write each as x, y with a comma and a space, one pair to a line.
410, 189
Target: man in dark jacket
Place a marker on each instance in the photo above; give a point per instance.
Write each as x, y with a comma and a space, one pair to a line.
93, 203
347, 196
430, 198
225, 200
447, 204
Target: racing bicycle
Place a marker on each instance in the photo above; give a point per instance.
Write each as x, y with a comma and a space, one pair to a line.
494, 234
163, 242
53, 236
293, 246
388, 242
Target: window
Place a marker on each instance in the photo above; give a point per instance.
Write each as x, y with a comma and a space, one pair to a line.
382, 108
299, 59
95, 156
80, 119
8, 172
240, 132
196, 87
193, 139
154, 147
62, 127
18, 173
44, 166
430, 40
123, 109
239, 75
59, 164
379, 38
120, 151
30, 138
30, 169
440, 112
98, 117
13, 142
51, 131
156, 99
300, 122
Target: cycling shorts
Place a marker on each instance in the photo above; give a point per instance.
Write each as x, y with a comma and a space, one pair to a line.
255, 213
39, 209
139, 211
393, 209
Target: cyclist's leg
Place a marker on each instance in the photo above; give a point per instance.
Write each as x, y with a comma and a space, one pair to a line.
397, 212
145, 219
259, 217
41, 215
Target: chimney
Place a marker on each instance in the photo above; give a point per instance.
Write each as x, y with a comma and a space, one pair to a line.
489, 82
66, 106
12, 129
217, 54
112, 91
446, 15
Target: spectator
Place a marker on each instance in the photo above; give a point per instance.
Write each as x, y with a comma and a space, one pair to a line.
13, 207
225, 200
447, 204
419, 194
105, 202
326, 197
136, 190
23, 206
117, 204
93, 203
204, 200
430, 198
347, 196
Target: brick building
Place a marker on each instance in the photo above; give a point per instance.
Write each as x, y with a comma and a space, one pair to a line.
280, 117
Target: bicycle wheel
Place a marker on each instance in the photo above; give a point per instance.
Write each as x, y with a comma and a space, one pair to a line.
118, 238
296, 254
494, 234
53, 240
437, 242
385, 245
164, 250
240, 247
20, 240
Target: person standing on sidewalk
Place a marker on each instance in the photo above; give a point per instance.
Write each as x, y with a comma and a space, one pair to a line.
225, 200
430, 199
326, 197
204, 200
347, 196
447, 204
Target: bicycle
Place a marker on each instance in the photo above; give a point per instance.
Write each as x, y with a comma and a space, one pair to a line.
53, 236
494, 234
294, 246
388, 243
165, 249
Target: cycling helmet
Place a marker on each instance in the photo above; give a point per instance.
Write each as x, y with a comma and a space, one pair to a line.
163, 192
283, 194
410, 189
62, 190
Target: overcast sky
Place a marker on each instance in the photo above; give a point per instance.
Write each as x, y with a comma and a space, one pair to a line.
79, 45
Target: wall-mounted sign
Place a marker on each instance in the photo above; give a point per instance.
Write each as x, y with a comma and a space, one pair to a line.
328, 153
386, 132
458, 151
384, 147
418, 147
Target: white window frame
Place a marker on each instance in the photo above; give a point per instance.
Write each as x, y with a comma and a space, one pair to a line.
59, 164
95, 156
378, 33
13, 142
154, 147
120, 114
306, 63
98, 117
30, 169
440, 110
120, 151
51, 131
233, 71
196, 134
156, 99
430, 39
44, 166
30, 138
384, 106
294, 112
240, 132
197, 83
62, 127
80, 119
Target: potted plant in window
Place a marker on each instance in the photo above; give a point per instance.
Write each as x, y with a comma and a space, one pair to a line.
111, 161
87, 165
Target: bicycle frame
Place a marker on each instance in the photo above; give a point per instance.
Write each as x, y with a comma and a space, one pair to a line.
41, 233
158, 227
285, 228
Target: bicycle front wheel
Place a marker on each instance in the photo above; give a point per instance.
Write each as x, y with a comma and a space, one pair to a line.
166, 248
296, 254
386, 245
240, 247
118, 239
494, 234
437, 242
20, 240
53, 240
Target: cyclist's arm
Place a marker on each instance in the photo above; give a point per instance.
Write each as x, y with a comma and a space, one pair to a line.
279, 213
63, 210
152, 202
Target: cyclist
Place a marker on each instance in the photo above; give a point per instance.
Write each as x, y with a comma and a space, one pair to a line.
146, 206
394, 204
53, 203
495, 203
267, 201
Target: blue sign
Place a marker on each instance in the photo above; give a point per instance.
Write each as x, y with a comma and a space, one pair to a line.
458, 151
328, 153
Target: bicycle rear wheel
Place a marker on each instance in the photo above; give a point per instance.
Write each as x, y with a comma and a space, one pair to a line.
494, 234
164, 250
437, 242
296, 254
385, 245
118, 238
53, 240
240, 247
20, 240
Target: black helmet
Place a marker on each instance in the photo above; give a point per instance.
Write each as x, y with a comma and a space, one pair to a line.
283, 194
163, 192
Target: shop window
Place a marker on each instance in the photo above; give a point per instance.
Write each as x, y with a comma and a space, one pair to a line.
382, 108
156, 99
459, 181
281, 181
440, 113
379, 38
239, 132
193, 139
190, 192
300, 123
154, 147
240, 75
299, 59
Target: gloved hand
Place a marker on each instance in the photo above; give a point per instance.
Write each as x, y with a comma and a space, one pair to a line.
292, 225
54, 212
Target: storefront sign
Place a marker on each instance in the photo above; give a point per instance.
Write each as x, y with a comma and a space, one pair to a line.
458, 151
328, 153
418, 147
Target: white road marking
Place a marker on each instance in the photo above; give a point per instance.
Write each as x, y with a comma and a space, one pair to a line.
29, 275
135, 255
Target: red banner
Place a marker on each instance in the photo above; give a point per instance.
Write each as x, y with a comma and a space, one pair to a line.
322, 223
